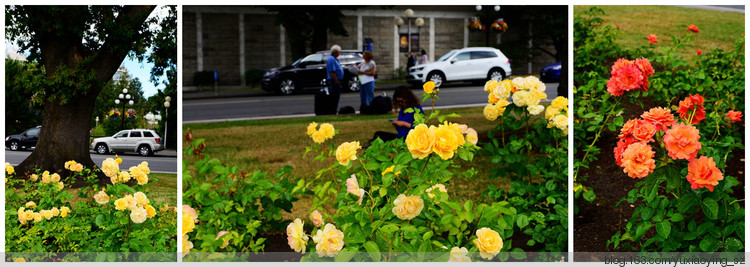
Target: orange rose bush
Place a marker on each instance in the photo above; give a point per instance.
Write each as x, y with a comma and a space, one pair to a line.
671, 118
44, 215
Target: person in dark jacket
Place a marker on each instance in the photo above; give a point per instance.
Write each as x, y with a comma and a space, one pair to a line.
410, 62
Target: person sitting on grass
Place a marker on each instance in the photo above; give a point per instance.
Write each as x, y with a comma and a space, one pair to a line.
403, 99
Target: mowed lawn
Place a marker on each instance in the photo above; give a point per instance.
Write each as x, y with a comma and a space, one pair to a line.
268, 145
717, 29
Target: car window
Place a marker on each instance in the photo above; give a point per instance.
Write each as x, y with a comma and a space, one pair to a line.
313, 59
461, 57
122, 134
135, 134
446, 56
147, 134
482, 54
349, 58
34, 131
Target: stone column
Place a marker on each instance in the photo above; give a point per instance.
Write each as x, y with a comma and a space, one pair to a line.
396, 46
466, 33
432, 39
242, 49
282, 46
359, 32
199, 40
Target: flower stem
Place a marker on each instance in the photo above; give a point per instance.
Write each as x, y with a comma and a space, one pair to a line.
598, 133
425, 164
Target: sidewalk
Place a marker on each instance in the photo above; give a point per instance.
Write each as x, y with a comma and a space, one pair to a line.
166, 153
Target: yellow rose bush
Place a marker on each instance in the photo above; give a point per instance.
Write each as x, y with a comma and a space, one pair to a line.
44, 215
529, 146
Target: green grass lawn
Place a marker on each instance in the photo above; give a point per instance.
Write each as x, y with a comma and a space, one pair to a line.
268, 145
717, 29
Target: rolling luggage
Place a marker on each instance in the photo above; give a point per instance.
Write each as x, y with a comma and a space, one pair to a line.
324, 103
379, 105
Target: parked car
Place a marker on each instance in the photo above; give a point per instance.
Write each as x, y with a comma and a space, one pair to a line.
309, 72
24, 140
142, 141
466, 64
550, 73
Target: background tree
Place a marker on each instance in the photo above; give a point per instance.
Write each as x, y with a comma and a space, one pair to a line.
80, 48
20, 112
310, 24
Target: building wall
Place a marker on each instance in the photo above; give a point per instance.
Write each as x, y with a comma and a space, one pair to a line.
263, 39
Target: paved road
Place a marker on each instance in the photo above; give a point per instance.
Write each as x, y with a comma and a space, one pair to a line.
259, 107
155, 163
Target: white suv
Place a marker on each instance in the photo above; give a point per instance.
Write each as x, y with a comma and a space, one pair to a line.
467, 64
144, 142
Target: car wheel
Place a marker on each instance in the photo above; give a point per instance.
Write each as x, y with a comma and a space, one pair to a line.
496, 74
287, 86
102, 149
353, 84
437, 77
144, 150
14, 145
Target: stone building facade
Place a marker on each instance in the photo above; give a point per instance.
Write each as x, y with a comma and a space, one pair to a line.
233, 39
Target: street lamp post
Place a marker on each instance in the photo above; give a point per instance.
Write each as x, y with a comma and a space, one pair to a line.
409, 17
486, 18
167, 101
125, 99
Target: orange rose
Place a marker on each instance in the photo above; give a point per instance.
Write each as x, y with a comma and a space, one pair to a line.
660, 117
693, 28
702, 172
690, 103
652, 39
628, 128
682, 141
734, 115
621, 146
638, 160
644, 132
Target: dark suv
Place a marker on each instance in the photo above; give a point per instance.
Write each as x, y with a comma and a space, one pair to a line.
23, 141
310, 71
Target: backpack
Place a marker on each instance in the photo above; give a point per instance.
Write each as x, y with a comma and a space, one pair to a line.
379, 105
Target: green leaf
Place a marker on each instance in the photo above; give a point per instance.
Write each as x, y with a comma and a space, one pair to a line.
522, 221
676, 217
389, 228
663, 229
372, 250
99, 220
733, 245
589, 195
710, 208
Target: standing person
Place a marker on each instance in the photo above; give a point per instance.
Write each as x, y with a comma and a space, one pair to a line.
367, 79
423, 59
403, 99
410, 62
335, 73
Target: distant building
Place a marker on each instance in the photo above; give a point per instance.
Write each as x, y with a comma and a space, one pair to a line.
234, 39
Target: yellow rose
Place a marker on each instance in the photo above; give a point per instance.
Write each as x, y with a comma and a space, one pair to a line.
329, 241
138, 215
448, 138
64, 211
311, 128
46, 178
28, 215
459, 255
472, 136
535, 97
69, 164
118, 160
139, 175
30, 205
551, 112
296, 236
504, 89
490, 85
534, 84
37, 217
535, 109
124, 177
186, 245
429, 87
60, 186
521, 98
121, 204
9, 169
407, 208
110, 167
188, 224
318, 137
488, 242
440, 187
317, 218
420, 141
130, 201
491, 112
141, 198
47, 214
150, 211
102, 198
519, 83
33, 177
346, 152
190, 212
113, 179
55, 212
144, 167
225, 239
352, 185
560, 121
327, 130
560, 103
